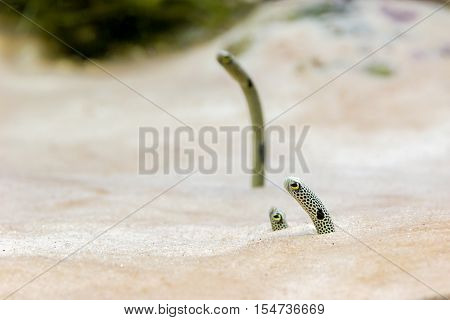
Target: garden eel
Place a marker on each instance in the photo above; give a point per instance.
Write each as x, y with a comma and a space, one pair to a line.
230, 64
311, 204
277, 219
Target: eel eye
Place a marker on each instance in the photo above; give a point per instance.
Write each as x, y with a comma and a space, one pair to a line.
294, 186
276, 217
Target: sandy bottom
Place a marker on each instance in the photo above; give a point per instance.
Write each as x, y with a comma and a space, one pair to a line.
377, 151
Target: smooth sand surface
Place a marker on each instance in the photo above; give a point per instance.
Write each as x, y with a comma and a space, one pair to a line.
378, 151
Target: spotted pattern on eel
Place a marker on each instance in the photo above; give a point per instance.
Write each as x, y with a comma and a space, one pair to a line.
277, 219
311, 204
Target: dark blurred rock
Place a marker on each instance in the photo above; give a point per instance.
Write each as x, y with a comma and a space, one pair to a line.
98, 27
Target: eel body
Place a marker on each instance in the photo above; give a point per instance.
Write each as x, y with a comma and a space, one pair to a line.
230, 64
311, 204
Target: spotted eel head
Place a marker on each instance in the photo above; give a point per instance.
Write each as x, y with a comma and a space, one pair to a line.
294, 186
277, 219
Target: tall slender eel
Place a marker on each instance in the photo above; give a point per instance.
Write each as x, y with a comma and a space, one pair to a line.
230, 64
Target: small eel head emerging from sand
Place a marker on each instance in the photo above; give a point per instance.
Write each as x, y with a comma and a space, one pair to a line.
277, 219
311, 204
